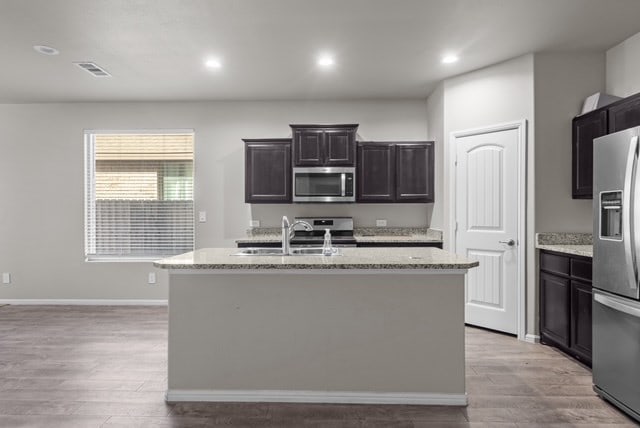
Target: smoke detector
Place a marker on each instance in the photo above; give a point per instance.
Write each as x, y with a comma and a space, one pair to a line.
93, 68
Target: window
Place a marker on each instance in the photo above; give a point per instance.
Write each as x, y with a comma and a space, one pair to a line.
139, 194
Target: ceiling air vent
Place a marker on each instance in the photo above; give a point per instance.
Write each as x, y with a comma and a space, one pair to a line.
93, 68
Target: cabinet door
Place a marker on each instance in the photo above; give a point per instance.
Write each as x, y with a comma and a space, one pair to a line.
554, 308
581, 342
375, 172
267, 172
585, 129
414, 172
308, 147
339, 147
625, 114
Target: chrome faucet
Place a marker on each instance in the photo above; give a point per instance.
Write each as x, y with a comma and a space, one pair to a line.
287, 233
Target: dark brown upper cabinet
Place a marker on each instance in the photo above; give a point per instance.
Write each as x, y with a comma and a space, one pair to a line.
585, 129
414, 172
395, 172
267, 171
376, 178
324, 145
624, 114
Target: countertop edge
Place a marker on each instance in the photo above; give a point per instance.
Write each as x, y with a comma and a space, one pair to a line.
568, 249
365, 239
310, 267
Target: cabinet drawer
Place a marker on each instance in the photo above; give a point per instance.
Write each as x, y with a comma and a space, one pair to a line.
554, 263
581, 269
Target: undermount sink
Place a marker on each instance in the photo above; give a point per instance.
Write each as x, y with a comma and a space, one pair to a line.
259, 252
303, 251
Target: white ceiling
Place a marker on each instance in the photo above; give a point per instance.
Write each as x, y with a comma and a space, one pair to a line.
155, 49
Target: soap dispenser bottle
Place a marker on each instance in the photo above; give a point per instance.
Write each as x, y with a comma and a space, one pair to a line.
327, 249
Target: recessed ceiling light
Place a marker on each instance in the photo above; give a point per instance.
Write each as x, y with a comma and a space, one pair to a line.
46, 50
325, 61
213, 63
449, 59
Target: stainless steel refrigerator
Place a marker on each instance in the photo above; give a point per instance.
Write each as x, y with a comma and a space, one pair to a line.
616, 269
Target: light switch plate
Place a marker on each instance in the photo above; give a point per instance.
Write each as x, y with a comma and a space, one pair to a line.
381, 223
152, 278
202, 216
6, 278
254, 223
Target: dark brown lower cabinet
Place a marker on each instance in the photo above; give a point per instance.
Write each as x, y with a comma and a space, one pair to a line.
554, 313
581, 297
565, 303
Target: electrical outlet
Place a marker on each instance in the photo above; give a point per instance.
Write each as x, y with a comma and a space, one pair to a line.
202, 216
254, 223
152, 278
6, 278
381, 223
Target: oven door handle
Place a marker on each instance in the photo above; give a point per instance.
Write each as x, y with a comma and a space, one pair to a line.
343, 183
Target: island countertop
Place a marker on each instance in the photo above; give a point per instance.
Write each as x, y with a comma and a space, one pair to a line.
351, 258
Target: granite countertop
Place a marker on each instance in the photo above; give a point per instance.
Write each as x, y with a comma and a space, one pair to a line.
351, 258
576, 250
578, 244
370, 234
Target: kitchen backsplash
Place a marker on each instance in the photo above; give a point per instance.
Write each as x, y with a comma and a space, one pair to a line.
364, 215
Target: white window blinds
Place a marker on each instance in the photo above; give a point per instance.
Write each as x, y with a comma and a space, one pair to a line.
139, 194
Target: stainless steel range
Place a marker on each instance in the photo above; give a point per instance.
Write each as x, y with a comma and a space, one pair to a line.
341, 231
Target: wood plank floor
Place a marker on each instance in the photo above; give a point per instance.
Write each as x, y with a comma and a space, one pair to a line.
78, 366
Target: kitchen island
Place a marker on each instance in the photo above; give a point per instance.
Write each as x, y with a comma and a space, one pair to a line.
373, 325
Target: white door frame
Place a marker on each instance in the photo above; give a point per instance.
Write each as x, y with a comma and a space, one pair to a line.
521, 127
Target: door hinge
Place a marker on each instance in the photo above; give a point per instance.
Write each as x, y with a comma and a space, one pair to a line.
456, 229
455, 163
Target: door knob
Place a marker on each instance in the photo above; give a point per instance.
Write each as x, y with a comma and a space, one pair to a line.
510, 242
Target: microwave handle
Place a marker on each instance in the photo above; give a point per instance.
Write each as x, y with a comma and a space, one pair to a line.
343, 182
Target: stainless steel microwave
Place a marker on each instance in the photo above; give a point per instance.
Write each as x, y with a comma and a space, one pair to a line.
324, 184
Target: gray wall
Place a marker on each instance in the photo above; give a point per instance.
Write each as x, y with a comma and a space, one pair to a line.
435, 121
42, 187
562, 82
623, 63
497, 94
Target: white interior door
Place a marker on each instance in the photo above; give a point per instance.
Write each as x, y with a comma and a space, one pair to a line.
487, 203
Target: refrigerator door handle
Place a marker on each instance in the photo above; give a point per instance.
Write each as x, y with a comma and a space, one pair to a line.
627, 213
635, 227
616, 304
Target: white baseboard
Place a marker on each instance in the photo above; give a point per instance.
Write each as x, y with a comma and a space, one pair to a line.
86, 302
334, 397
532, 338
